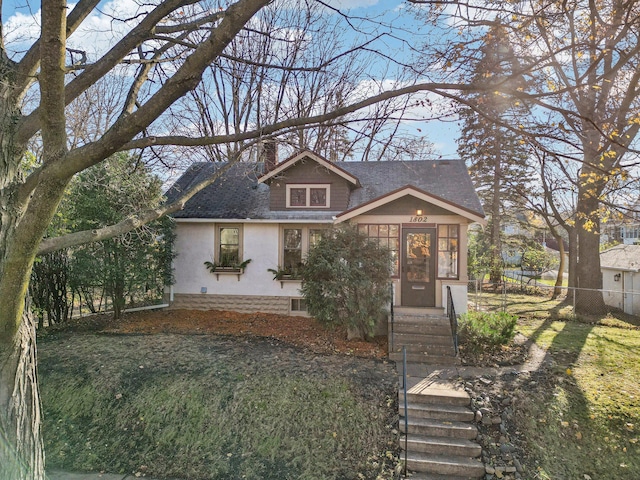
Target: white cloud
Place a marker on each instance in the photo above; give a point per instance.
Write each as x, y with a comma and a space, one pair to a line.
21, 31
99, 31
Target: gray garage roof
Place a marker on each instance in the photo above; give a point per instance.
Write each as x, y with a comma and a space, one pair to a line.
238, 195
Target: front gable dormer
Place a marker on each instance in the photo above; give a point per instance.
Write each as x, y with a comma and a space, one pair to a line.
406, 201
306, 181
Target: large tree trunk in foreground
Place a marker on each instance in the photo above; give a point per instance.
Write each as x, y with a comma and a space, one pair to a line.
589, 299
21, 448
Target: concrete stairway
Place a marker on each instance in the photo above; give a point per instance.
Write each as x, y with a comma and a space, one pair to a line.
439, 439
426, 333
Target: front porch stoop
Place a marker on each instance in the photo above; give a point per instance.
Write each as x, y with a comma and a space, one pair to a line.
440, 435
425, 334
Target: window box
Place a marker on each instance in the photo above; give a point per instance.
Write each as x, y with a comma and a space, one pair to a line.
285, 275
235, 269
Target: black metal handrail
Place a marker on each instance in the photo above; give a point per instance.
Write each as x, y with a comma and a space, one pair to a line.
406, 407
392, 320
453, 319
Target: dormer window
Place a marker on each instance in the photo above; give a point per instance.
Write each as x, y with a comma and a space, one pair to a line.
308, 196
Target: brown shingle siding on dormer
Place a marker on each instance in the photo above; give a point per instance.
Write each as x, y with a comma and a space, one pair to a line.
308, 173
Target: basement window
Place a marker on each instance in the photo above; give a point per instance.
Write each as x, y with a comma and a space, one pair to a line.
298, 305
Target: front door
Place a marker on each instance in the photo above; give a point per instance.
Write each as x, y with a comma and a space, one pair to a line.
418, 287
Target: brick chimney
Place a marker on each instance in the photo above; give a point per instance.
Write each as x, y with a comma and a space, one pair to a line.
269, 155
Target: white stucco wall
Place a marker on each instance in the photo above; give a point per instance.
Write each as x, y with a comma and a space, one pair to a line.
195, 244
459, 293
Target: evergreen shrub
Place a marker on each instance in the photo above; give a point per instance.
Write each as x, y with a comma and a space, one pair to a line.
486, 331
346, 280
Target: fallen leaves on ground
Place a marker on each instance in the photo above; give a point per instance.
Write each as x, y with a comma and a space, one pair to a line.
299, 331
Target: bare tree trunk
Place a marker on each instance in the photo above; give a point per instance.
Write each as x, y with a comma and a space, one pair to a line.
573, 257
21, 447
496, 220
557, 289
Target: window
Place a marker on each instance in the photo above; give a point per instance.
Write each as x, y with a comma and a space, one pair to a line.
296, 242
228, 248
308, 196
298, 305
448, 251
386, 235
298, 197
318, 197
292, 255
315, 234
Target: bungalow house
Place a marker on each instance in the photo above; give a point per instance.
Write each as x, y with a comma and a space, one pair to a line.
256, 222
620, 267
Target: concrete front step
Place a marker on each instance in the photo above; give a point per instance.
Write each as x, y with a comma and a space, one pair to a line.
421, 319
417, 311
445, 465
403, 338
441, 446
434, 476
421, 358
426, 349
437, 412
439, 434
439, 428
410, 329
434, 395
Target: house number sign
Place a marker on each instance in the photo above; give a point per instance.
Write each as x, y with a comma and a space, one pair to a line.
418, 219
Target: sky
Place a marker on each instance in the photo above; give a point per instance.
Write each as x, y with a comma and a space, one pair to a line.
20, 18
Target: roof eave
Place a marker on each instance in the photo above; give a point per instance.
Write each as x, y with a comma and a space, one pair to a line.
474, 217
285, 164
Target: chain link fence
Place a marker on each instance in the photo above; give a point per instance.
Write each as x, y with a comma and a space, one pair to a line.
513, 293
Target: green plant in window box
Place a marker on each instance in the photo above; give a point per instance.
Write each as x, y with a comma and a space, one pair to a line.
287, 273
227, 266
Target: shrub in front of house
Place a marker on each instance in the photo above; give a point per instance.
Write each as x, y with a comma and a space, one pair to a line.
345, 280
486, 331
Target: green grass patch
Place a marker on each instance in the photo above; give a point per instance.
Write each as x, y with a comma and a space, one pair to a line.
584, 421
221, 420
486, 331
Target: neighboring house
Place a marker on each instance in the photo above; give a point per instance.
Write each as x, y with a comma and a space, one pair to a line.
272, 213
620, 278
624, 230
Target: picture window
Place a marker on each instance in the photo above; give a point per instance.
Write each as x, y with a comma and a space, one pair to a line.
296, 242
386, 235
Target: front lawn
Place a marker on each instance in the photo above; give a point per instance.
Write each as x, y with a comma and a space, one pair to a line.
582, 421
214, 407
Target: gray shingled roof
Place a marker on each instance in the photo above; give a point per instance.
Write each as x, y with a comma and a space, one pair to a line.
238, 195
446, 179
621, 257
